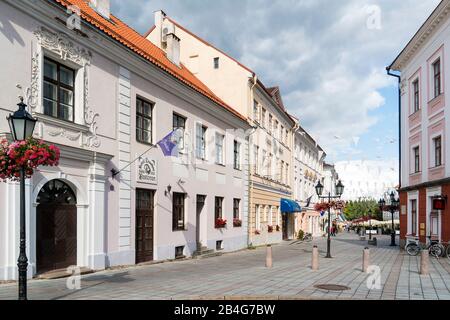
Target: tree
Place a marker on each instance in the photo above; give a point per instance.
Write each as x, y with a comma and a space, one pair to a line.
362, 208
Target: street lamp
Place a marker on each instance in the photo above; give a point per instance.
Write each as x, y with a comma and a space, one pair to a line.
339, 191
392, 207
22, 126
370, 225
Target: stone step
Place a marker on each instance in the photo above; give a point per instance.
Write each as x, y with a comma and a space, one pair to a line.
209, 255
61, 273
203, 252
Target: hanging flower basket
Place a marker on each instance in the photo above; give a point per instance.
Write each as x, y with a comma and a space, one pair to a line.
221, 223
324, 206
270, 229
278, 228
28, 154
257, 232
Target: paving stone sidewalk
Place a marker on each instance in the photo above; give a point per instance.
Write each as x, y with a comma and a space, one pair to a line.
243, 275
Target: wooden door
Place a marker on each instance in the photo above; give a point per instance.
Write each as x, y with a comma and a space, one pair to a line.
144, 225
56, 227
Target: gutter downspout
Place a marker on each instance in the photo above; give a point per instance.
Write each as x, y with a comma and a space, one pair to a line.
388, 70
250, 172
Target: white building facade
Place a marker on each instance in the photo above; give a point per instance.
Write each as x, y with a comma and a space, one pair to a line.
308, 159
105, 98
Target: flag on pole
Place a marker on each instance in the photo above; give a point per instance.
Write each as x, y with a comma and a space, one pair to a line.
169, 144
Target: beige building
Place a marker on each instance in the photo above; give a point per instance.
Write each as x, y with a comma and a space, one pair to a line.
308, 159
270, 156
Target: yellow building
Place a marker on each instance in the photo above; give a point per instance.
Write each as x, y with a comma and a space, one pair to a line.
270, 142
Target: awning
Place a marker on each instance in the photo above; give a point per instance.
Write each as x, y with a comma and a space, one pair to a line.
290, 206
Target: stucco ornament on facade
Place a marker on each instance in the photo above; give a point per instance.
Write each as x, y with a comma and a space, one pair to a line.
61, 45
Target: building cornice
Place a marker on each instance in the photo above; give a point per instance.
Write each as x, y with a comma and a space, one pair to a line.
426, 31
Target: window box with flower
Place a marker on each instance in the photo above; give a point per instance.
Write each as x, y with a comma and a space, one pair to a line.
270, 229
237, 223
221, 223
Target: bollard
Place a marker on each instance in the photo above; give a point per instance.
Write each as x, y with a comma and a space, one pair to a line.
315, 259
424, 263
366, 259
269, 260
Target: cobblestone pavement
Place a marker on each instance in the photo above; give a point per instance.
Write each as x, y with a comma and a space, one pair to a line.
243, 275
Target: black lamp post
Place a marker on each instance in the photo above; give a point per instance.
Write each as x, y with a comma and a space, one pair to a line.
339, 192
370, 224
22, 126
393, 206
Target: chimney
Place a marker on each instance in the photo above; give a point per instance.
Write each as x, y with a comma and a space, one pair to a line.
159, 18
173, 48
102, 7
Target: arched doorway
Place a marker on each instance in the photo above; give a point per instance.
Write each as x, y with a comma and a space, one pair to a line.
56, 227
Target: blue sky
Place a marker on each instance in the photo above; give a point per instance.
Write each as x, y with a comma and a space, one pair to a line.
328, 57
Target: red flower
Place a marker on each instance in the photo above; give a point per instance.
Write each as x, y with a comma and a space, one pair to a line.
28, 154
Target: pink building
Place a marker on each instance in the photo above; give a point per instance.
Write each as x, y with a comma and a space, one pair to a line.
425, 149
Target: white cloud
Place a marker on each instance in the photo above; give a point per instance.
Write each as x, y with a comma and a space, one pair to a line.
329, 64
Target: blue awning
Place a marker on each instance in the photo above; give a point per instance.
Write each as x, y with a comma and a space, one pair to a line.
290, 206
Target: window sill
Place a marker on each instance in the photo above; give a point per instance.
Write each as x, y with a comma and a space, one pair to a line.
415, 113
220, 164
61, 123
415, 173
179, 230
436, 98
437, 167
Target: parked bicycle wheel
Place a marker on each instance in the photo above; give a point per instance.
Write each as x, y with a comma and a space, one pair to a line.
447, 253
412, 249
436, 250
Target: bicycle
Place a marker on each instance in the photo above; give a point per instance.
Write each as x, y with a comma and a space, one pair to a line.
434, 247
447, 251
307, 237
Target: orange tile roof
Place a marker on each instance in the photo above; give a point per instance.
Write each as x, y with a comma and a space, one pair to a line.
127, 36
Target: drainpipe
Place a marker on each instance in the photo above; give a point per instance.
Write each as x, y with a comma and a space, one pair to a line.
250, 173
389, 72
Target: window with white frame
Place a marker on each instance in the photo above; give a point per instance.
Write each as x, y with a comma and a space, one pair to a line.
59, 90
256, 158
220, 138
437, 77
416, 159
264, 161
258, 217
263, 118
237, 155
256, 111
437, 145
270, 215
416, 92
200, 137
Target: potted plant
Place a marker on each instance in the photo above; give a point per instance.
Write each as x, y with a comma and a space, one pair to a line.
257, 232
270, 229
221, 223
237, 223
278, 228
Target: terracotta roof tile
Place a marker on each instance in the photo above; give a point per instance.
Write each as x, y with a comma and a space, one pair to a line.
127, 36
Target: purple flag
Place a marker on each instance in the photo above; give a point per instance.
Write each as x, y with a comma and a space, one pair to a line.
168, 146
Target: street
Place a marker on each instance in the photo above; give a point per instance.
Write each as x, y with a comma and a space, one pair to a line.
243, 275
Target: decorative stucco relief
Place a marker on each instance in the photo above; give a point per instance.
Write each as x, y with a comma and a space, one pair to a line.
60, 44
